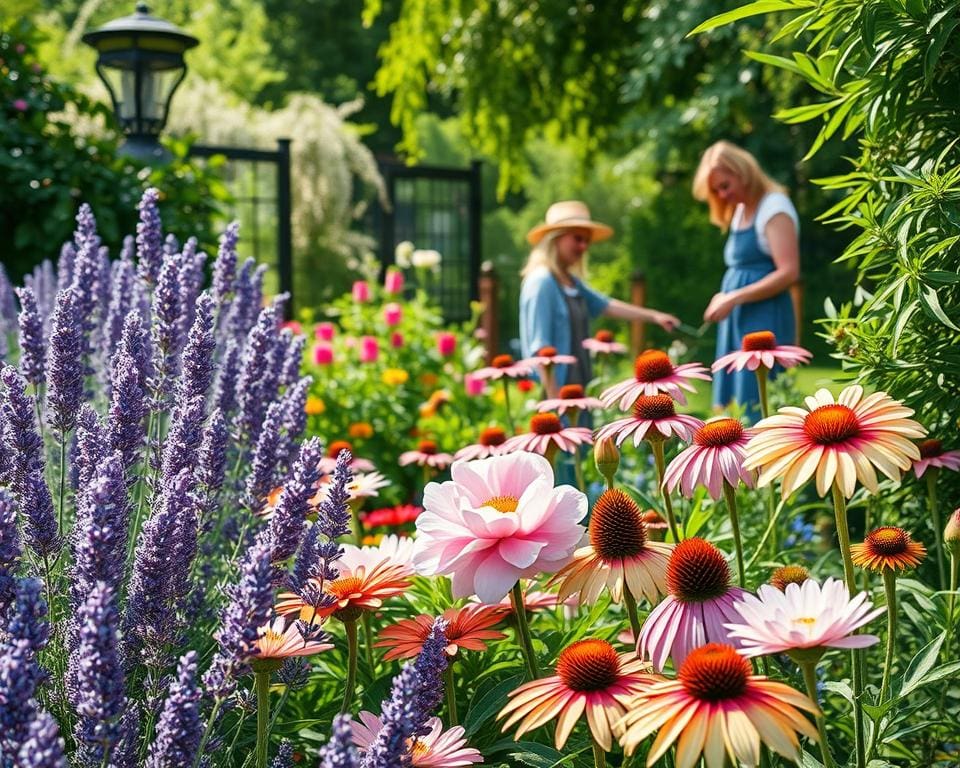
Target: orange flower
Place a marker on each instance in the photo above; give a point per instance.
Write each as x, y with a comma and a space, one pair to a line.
467, 628
360, 430
314, 406
888, 548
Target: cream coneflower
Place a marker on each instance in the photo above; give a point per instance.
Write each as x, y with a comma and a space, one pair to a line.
604, 343
548, 435
426, 455
655, 373
654, 418
572, 398
761, 348
591, 678
489, 444
718, 709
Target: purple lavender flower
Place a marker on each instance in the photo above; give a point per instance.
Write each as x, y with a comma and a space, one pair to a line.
32, 350
430, 664
85, 235
284, 756
182, 443
179, 728
92, 445
225, 267
8, 303
167, 338
263, 469
287, 523
68, 255
43, 283
128, 408
196, 368
40, 521
191, 282
149, 237
339, 751
293, 357
294, 404
225, 394
211, 466
9, 551
100, 685
119, 307
20, 435
252, 392
64, 370
171, 245
250, 606
43, 747
135, 342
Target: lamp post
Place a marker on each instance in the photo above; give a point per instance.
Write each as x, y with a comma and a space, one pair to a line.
141, 63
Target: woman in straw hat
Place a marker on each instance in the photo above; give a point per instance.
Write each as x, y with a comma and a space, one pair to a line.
762, 255
556, 306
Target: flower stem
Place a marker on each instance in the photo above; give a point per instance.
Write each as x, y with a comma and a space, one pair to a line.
368, 642
599, 756
263, 717
63, 474
810, 678
448, 685
937, 524
730, 495
207, 731
954, 578
762, 373
657, 446
506, 404
578, 470
890, 589
351, 629
631, 605
523, 632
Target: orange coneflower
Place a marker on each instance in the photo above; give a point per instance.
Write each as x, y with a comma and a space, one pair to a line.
886, 548
591, 678
716, 707
466, 628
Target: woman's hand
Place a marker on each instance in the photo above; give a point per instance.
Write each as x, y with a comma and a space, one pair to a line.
720, 306
666, 321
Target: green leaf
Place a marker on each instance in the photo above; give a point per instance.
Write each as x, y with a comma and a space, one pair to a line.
921, 664
485, 706
931, 302
746, 11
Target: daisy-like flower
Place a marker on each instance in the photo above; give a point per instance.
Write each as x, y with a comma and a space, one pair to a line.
716, 455
426, 455
842, 441
804, 617
278, 640
467, 628
654, 418
603, 344
761, 348
329, 462
619, 553
390, 516
888, 548
495, 521
490, 444
654, 373
699, 602
397, 549
500, 366
571, 398
547, 356
591, 678
717, 708
932, 455
438, 749
546, 432
365, 485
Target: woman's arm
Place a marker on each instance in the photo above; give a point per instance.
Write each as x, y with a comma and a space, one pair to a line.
623, 311
781, 234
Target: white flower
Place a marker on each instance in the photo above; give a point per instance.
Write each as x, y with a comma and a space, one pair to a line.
402, 254
425, 259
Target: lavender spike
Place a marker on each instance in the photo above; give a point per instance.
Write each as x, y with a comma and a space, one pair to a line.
9, 551
287, 524
339, 751
225, 267
64, 370
149, 238
179, 728
32, 349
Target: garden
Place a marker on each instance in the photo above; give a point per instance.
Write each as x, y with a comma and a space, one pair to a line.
344, 530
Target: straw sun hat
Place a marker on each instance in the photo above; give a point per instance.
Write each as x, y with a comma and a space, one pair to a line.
569, 214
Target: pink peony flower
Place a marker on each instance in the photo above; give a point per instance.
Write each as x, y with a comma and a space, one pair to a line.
322, 354
361, 291
369, 349
392, 313
324, 331
761, 348
393, 281
497, 521
446, 343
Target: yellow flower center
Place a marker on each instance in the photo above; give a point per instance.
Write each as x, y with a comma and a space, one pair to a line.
503, 503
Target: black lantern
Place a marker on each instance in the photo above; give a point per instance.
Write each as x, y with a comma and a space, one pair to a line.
141, 63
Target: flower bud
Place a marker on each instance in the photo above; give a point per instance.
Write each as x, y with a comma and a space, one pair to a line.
361, 291
392, 313
607, 458
951, 534
393, 281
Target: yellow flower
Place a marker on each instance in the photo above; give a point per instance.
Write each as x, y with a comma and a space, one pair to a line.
314, 406
394, 377
360, 430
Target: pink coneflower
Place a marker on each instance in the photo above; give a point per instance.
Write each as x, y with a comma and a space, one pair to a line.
490, 444
438, 749
547, 434
716, 455
571, 398
329, 462
497, 520
547, 356
277, 640
839, 441
591, 678
716, 707
655, 373
602, 343
654, 418
426, 455
932, 455
699, 602
804, 617
467, 628
761, 348
500, 366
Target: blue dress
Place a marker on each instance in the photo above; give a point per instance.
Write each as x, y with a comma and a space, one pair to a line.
746, 264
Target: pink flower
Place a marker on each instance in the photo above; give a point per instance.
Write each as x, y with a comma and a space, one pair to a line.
602, 343
497, 521
547, 356
490, 444
361, 291
396, 340
654, 373
328, 463
278, 640
438, 749
322, 354
20, 105
503, 365
473, 385
392, 313
654, 418
324, 331
716, 455
761, 348
393, 281
294, 326
571, 398
446, 343
369, 349
932, 455
547, 430
426, 455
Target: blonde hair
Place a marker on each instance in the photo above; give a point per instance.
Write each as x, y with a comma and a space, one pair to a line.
544, 254
733, 159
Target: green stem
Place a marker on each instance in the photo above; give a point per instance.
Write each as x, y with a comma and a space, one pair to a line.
762, 373
351, 683
658, 457
730, 495
141, 493
263, 717
954, 578
448, 684
207, 732
506, 404
937, 524
368, 642
599, 756
523, 632
810, 678
63, 475
763, 539
890, 589
631, 605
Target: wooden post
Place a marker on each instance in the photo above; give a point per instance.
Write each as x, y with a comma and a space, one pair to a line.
638, 328
796, 296
489, 290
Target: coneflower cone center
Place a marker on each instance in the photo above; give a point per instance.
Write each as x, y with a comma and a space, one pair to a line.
503, 503
546, 424
336, 446
546, 352
697, 572
493, 436
653, 407
789, 574
605, 336
427, 446
888, 540
753, 342
502, 361
588, 665
571, 392
616, 528
831, 424
652, 365
930, 449
715, 672
719, 432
